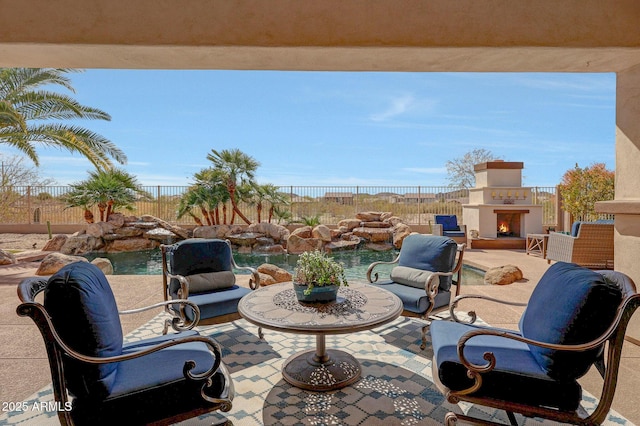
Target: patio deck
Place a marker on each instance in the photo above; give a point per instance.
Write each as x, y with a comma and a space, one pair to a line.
23, 361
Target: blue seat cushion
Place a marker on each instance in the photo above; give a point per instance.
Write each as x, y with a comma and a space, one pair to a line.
449, 222
516, 377
84, 313
430, 253
453, 233
152, 387
570, 305
217, 303
414, 299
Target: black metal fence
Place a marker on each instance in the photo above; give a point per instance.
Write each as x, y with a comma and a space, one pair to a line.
415, 205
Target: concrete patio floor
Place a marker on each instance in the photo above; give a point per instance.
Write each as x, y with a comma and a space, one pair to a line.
24, 367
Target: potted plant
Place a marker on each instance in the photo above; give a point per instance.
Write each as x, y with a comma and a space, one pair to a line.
317, 277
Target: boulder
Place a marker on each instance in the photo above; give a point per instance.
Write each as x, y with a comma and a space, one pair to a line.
302, 232
278, 274
99, 229
55, 243
374, 235
53, 262
7, 258
349, 224
503, 275
400, 232
266, 279
161, 235
116, 219
297, 245
125, 232
369, 216
278, 232
131, 244
393, 220
182, 233
246, 239
216, 231
377, 224
322, 232
104, 264
385, 216
82, 243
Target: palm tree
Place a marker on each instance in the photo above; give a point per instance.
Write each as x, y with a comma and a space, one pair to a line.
235, 168
109, 190
25, 109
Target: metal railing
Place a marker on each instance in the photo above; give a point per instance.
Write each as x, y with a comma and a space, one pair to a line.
415, 205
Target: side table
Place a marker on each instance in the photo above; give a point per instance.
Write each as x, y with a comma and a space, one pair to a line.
537, 244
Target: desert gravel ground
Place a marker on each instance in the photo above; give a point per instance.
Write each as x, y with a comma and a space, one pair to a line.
23, 241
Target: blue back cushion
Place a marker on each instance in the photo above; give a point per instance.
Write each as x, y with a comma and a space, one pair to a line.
570, 305
198, 256
84, 313
575, 227
449, 222
431, 253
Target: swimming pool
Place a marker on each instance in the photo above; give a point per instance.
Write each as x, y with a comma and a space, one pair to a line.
356, 262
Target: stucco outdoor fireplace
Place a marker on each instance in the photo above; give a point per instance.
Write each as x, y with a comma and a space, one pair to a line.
500, 208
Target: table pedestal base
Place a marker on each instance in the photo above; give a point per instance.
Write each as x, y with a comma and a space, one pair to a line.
334, 369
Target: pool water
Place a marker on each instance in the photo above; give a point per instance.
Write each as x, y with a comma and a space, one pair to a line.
356, 262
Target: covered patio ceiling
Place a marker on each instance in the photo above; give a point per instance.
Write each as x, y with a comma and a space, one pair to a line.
357, 35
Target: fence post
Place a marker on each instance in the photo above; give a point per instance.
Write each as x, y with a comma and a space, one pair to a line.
29, 205
158, 204
291, 201
356, 203
419, 205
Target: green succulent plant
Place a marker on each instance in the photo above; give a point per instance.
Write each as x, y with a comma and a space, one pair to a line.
316, 268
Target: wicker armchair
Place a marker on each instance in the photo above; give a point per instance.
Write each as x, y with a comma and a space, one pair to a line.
591, 247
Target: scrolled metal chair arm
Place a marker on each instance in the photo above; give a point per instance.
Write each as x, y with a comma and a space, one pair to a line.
32, 309
474, 371
454, 304
254, 281
374, 264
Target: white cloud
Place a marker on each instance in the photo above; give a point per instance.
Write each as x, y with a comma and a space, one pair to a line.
398, 106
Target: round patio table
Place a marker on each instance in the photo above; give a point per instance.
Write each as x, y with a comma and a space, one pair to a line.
358, 307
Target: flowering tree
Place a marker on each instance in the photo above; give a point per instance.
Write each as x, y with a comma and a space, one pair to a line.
581, 188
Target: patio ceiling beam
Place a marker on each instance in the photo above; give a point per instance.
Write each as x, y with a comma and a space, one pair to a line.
357, 35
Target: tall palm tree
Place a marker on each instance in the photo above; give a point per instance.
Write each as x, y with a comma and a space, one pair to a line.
236, 168
109, 190
26, 109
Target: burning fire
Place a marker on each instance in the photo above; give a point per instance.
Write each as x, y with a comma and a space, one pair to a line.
503, 228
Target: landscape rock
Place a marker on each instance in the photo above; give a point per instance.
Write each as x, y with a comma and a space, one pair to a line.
278, 232
297, 245
369, 216
400, 232
322, 232
131, 244
104, 264
56, 243
278, 274
246, 239
503, 275
53, 262
266, 280
349, 224
216, 231
161, 235
342, 245
302, 232
182, 233
7, 258
81, 243
375, 235
116, 220
98, 229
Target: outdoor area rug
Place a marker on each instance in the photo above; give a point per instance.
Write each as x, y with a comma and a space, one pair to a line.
395, 388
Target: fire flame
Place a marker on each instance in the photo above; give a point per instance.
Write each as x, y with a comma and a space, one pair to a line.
503, 228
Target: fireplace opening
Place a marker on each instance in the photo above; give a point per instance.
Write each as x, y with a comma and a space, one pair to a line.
508, 225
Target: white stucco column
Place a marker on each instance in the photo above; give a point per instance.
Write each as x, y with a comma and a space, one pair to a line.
626, 205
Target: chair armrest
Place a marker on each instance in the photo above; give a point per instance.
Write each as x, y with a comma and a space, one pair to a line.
374, 264
560, 247
178, 324
254, 281
38, 312
472, 314
436, 229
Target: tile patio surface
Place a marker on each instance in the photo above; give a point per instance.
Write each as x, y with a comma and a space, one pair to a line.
24, 367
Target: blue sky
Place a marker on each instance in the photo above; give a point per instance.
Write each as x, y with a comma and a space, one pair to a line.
344, 128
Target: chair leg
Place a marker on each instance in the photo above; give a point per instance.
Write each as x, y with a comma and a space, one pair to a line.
424, 336
260, 333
